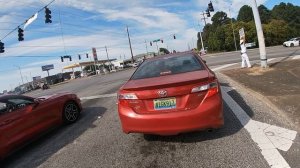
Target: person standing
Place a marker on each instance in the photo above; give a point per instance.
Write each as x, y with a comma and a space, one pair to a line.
244, 55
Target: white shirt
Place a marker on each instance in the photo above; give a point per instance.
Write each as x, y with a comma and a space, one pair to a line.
243, 48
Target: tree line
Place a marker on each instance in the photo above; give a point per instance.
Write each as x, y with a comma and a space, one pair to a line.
279, 24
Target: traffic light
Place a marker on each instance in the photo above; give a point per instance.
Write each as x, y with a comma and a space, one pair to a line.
70, 58
162, 41
207, 12
150, 43
211, 7
1, 47
87, 55
174, 36
47, 15
79, 56
20, 34
62, 59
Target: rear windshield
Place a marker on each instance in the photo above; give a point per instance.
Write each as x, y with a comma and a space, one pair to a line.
168, 66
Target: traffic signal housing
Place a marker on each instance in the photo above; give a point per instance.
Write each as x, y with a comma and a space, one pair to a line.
211, 7
62, 59
20, 34
162, 41
150, 43
87, 55
174, 36
207, 12
70, 58
1, 47
79, 56
47, 15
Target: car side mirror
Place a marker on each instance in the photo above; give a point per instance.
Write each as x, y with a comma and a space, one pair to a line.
204, 61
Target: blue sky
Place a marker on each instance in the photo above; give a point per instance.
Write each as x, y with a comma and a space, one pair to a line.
97, 23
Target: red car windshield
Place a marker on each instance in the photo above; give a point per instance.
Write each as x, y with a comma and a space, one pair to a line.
167, 66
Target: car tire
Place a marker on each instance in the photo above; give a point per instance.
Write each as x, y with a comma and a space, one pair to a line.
292, 45
71, 112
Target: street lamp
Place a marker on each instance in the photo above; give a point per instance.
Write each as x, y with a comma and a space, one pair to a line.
20, 73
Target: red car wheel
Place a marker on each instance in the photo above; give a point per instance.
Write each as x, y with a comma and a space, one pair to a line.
71, 112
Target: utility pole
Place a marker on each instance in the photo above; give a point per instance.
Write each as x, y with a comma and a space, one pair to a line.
201, 36
204, 18
132, 60
233, 31
108, 59
260, 35
146, 47
157, 48
20, 73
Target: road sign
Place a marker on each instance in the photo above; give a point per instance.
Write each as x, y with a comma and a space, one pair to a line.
157, 40
47, 67
35, 78
242, 32
95, 54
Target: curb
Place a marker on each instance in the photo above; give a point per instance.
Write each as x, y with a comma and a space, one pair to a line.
260, 97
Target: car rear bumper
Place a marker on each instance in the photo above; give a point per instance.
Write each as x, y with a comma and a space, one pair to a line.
208, 115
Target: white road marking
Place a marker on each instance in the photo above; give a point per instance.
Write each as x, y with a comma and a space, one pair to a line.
268, 137
99, 96
296, 57
222, 67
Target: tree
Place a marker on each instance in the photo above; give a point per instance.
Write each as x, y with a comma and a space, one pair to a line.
245, 14
220, 18
265, 14
276, 32
290, 14
164, 50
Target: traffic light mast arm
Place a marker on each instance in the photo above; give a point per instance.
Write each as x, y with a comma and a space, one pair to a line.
13, 30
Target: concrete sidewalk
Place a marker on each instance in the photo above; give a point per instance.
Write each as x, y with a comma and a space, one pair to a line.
278, 86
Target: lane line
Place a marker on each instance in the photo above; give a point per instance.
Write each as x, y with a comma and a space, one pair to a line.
268, 137
223, 66
296, 57
99, 96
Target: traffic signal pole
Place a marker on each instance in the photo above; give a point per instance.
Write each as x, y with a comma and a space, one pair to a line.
260, 36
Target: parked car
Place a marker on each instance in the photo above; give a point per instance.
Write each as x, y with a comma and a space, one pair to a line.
292, 42
24, 118
171, 94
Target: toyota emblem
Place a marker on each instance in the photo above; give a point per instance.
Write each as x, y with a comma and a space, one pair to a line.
162, 93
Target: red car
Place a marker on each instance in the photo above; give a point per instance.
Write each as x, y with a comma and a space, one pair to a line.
23, 118
171, 94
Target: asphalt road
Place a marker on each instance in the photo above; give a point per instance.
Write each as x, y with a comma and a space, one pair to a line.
96, 140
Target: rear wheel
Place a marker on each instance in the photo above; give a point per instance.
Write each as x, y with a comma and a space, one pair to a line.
70, 112
292, 45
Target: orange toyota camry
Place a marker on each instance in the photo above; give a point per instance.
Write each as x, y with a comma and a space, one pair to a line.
171, 94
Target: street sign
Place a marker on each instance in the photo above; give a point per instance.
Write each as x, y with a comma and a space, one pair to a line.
157, 40
35, 78
47, 67
95, 54
242, 32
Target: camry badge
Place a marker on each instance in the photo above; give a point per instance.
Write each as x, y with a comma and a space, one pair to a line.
162, 93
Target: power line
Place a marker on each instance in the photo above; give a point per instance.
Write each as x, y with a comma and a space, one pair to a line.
25, 21
62, 33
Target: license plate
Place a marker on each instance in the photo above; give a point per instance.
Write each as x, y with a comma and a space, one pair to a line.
162, 104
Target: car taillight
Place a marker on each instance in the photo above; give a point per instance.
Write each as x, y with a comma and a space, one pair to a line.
127, 96
212, 89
